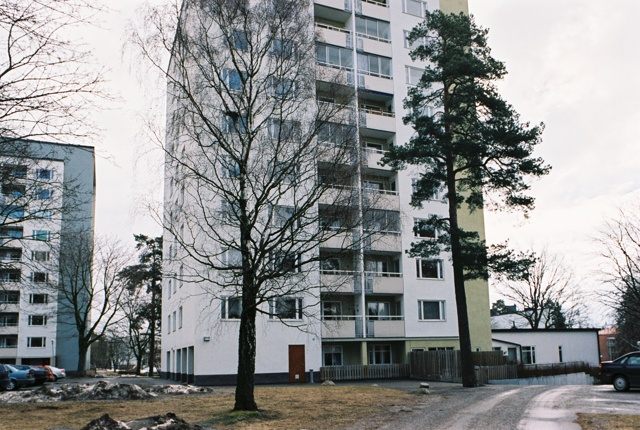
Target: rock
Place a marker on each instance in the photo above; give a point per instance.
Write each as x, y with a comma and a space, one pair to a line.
424, 385
328, 383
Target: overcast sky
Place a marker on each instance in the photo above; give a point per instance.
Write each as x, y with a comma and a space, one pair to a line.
573, 64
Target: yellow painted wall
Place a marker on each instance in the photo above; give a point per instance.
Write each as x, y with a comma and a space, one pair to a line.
454, 6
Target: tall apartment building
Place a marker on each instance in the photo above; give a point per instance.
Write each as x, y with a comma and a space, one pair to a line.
47, 196
374, 304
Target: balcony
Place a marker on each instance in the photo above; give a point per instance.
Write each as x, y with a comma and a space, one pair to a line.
343, 328
373, 45
375, 82
339, 195
337, 281
384, 283
383, 242
350, 327
381, 199
391, 326
378, 9
334, 74
332, 35
344, 5
373, 158
376, 119
341, 240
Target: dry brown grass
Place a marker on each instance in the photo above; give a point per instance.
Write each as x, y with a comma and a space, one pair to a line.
286, 407
608, 422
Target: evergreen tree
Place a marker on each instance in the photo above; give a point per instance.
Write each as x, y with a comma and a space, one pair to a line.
474, 146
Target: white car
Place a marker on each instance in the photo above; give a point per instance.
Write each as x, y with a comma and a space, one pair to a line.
58, 373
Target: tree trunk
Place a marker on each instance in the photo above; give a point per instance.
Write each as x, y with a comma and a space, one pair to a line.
245, 400
82, 358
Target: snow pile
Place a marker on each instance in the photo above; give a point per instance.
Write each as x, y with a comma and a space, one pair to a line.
159, 422
102, 390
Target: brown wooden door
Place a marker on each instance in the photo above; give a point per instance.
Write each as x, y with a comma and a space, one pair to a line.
296, 363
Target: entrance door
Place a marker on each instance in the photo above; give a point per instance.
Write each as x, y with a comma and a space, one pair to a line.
296, 363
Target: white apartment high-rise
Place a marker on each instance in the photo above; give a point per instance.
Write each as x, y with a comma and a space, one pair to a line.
47, 196
374, 304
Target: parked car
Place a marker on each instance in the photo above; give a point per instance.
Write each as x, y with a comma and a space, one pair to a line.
19, 378
39, 373
623, 372
5, 381
57, 373
50, 375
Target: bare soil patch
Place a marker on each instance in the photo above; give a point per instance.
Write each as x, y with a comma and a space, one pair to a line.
285, 407
608, 422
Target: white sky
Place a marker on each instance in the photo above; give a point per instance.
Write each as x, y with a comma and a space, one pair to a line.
573, 64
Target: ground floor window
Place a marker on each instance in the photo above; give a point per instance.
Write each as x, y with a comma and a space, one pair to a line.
36, 342
528, 355
379, 354
332, 355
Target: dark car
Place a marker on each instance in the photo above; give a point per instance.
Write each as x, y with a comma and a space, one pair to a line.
19, 378
39, 373
5, 381
623, 372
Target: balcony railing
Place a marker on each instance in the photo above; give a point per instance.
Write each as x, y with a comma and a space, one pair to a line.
382, 3
376, 38
379, 75
334, 66
378, 112
333, 28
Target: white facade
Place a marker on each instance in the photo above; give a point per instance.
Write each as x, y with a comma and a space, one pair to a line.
34, 187
372, 307
548, 346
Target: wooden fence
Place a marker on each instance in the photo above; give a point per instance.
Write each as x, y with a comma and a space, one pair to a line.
372, 371
445, 365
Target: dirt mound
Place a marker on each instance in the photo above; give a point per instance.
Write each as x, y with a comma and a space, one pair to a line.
164, 422
102, 390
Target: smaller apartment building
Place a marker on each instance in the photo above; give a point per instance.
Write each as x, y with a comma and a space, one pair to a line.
36, 207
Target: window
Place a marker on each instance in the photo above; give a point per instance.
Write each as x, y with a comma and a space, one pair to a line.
334, 56
13, 190
10, 341
232, 258
36, 342
373, 29
422, 229
180, 317
415, 7
39, 277
332, 355
43, 214
168, 324
333, 133
40, 255
380, 220
230, 168
37, 320
283, 216
379, 354
286, 262
174, 320
374, 65
429, 269
240, 40
414, 190
284, 130
330, 265
284, 49
11, 211
231, 308
528, 355
38, 299
9, 297
43, 194
283, 88
234, 123
431, 310
233, 79
378, 310
417, 349
286, 308
43, 235
418, 42
413, 75
11, 232
560, 354
331, 310
10, 275
8, 320
15, 170
169, 289
44, 174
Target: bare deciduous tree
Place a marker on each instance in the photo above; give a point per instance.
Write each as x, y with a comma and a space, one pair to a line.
48, 83
89, 289
619, 250
263, 161
549, 294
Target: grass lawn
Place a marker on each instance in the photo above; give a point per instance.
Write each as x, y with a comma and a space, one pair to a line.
286, 407
608, 422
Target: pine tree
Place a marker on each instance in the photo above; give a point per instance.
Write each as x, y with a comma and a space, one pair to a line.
469, 143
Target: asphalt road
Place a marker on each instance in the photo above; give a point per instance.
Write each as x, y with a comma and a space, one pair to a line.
503, 407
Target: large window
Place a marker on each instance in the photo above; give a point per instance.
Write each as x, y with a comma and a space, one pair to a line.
231, 308
333, 56
284, 130
334, 133
286, 308
413, 75
37, 320
232, 79
528, 355
8, 320
10, 341
429, 269
38, 299
379, 354
40, 255
373, 29
431, 310
9, 297
415, 7
374, 65
240, 41
43, 194
331, 310
234, 123
42, 235
39, 277
180, 317
285, 262
422, 229
44, 173
418, 42
332, 355
378, 310
36, 342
